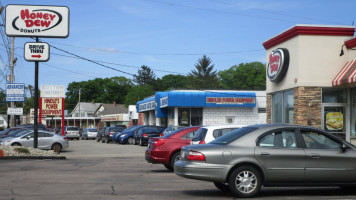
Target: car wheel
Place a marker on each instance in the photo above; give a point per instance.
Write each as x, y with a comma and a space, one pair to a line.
78, 138
168, 167
141, 142
245, 181
133, 141
57, 148
97, 139
102, 139
129, 140
16, 144
174, 158
222, 186
107, 141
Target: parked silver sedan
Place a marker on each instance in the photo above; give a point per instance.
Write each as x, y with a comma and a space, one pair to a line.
46, 140
270, 155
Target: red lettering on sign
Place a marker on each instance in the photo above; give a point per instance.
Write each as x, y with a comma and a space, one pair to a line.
274, 62
34, 18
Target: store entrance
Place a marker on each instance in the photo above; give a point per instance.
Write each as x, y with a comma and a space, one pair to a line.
334, 120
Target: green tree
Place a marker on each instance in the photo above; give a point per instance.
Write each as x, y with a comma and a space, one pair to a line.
138, 93
99, 90
171, 81
144, 76
29, 99
246, 76
204, 76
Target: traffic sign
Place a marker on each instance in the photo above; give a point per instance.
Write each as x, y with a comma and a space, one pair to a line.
35, 51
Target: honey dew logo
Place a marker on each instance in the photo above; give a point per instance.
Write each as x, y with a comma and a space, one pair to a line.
278, 65
35, 21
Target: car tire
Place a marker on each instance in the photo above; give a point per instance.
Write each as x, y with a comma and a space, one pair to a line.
174, 158
56, 148
16, 144
222, 186
107, 141
141, 142
97, 139
133, 141
102, 139
245, 181
78, 138
168, 166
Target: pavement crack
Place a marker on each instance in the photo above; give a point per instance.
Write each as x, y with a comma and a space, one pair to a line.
113, 192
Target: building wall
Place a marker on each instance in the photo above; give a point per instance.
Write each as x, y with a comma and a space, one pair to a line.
242, 115
310, 57
307, 106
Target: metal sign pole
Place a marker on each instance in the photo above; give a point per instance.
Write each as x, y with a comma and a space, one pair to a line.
35, 143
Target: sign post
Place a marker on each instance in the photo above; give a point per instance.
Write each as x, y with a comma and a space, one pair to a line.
37, 21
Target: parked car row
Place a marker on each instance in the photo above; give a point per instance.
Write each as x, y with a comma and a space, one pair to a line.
25, 137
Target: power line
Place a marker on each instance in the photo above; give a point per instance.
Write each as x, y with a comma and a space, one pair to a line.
160, 54
272, 12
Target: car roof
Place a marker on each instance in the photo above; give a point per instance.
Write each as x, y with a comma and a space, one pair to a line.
224, 126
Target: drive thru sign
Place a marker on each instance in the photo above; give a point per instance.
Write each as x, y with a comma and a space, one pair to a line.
35, 51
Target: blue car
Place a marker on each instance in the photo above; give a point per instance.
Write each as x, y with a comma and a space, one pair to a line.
127, 135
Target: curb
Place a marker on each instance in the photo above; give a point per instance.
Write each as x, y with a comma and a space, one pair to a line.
33, 158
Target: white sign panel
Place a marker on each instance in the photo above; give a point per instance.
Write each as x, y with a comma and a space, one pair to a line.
52, 91
36, 52
15, 92
37, 21
15, 111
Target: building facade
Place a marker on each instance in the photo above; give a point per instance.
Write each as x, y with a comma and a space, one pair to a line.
203, 107
311, 78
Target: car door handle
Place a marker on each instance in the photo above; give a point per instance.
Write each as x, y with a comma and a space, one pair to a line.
315, 156
264, 154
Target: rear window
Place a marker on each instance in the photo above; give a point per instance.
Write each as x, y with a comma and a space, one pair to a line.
200, 135
92, 130
116, 129
72, 129
233, 135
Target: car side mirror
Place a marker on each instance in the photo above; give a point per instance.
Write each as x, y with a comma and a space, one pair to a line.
343, 147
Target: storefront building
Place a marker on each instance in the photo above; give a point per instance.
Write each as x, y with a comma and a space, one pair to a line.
203, 107
311, 78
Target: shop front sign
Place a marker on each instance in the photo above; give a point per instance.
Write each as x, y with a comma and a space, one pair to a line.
51, 106
15, 92
146, 106
278, 64
163, 102
231, 100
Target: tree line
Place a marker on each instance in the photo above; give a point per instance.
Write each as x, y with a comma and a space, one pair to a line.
245, 76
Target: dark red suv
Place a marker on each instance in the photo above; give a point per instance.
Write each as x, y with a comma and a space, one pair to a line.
166, 149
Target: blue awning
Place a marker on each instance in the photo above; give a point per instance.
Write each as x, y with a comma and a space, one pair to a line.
146, 104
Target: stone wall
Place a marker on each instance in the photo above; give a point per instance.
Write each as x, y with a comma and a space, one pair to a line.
307, 106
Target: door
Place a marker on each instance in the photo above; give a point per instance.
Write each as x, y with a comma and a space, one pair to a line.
325, 161
280, 154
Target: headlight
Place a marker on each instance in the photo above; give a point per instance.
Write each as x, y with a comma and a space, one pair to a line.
123, 135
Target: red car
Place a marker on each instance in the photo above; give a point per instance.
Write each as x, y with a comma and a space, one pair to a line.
166, 149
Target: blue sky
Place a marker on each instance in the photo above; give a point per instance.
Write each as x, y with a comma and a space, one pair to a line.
169, 36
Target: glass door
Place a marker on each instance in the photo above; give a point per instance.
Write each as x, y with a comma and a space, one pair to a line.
334, 120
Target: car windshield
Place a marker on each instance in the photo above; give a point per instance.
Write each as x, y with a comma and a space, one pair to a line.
72, 129
200, 134
116, 129
233, 135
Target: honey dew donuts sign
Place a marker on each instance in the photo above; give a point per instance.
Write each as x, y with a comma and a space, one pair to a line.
37, 21
278, 64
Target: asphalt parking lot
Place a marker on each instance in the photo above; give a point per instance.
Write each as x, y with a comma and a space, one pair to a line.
95, 170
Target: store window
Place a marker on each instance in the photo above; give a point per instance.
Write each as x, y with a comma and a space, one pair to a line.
353, 113
190, 116
283, 107
334, 96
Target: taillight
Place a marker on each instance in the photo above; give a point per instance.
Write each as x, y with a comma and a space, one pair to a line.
111, 133
64, 138
159, 142
196, 156
160, 135
144, 135
201, 142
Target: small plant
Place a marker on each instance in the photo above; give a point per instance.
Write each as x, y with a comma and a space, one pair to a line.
22, 150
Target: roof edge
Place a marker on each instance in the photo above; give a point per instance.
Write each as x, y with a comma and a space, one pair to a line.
303, 29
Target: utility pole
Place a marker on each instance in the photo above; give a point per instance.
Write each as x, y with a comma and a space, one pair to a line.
80, 117
12, 63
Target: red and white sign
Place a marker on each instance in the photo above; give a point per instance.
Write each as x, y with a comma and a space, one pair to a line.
51, 106
37, 21
36, 52
278, 64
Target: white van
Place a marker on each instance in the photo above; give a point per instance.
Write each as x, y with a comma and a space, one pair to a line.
207, 134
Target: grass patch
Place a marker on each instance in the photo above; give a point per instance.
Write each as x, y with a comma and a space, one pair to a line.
22, 150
